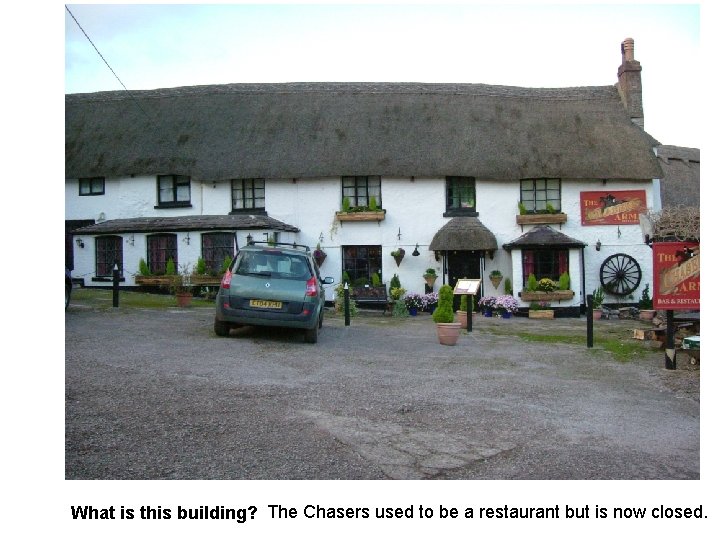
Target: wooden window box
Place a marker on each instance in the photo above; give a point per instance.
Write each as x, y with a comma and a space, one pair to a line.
197, 279
541, 219
541, 296
541, 314
159, 281
378, 216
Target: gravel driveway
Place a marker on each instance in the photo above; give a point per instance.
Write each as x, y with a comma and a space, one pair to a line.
154, 394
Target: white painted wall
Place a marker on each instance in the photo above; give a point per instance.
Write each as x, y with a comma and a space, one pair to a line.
414, 212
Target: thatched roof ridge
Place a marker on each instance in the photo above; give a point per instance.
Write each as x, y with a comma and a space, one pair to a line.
330, 129
186, 223
544, 236
463, 233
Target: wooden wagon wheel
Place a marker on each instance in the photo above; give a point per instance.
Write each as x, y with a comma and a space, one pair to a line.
620, 274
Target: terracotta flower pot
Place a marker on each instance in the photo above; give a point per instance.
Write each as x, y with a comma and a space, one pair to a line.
461, 317
448, 333
646, 314
597, 314
183, 298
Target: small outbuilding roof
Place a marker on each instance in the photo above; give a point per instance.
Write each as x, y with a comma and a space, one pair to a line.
463, 234
543, 236
186, 223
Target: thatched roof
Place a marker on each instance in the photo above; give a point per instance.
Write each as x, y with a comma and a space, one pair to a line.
544, 236
463, 233
186, 223
680, 185
330, 129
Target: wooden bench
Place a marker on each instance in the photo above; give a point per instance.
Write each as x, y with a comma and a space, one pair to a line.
372, 296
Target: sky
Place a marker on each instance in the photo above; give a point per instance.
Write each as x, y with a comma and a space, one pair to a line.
531, 45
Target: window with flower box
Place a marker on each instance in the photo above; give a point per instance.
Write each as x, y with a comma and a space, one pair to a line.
108, 252
544, 263
215, 247
160, 249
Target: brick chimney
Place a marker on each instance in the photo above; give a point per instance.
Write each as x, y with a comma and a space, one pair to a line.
630, 83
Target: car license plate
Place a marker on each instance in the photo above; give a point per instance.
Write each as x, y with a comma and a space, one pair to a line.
267, 304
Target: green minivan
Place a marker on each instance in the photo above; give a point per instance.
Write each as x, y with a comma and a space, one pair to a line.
275, 284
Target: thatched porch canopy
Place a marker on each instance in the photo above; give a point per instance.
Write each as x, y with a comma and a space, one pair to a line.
464, 234
544, 236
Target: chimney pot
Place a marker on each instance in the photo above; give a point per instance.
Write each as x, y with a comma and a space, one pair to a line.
628, 50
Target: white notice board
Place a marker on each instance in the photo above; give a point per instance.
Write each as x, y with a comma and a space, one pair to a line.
467, 286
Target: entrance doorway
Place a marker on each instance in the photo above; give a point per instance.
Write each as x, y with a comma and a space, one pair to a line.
468, 265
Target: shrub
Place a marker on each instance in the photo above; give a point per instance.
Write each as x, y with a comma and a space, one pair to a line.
508, 286
376, 281
227, 261
564, 282
547, 285
645, 299
340, 300
464, 302
170, 268
143, 268
532, 283
373, 203
201, 266
598, 297
444, 311
346, 277
395, 282
346, 204
522, 209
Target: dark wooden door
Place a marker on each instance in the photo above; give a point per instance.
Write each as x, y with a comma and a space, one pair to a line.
464, 265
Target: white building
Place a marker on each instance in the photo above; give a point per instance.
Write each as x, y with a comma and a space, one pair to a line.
188, 172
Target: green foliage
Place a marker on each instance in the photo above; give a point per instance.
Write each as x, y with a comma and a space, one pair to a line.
550, 209
395, 282
345, 278
508, 286
546, 285
226, 263
522, 209
444, 311
532, 283
340, 301
645, 299
201, 266
396, 293
376, 281
346, 204
360, 282
373, 203
430, 272
143, 268
464, 302
598, 297
170, 268
564, 282
400, 310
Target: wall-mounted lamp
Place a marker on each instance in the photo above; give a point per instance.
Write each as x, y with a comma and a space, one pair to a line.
597, 245
131, 240
399, 234
249, 239
416, 252
619, 233
80, 243
187, 238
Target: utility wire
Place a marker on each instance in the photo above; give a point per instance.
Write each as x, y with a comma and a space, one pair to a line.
106, 63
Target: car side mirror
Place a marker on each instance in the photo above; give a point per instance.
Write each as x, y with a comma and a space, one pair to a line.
328, 281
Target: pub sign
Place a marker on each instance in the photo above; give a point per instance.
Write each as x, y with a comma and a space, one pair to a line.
612, 207
676, 275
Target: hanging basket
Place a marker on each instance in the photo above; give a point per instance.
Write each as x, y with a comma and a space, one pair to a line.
398, 255
496, 280
319, 257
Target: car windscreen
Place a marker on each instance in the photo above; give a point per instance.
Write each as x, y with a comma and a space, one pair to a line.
273, 264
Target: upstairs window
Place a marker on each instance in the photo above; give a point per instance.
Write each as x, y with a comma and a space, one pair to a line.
248, 194
173, 191
460, 195
540, 196
161, 248
108, 253
92, 186
360, 189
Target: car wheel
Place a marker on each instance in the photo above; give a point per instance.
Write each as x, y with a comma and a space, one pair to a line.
311, 334
222, 329
68, 290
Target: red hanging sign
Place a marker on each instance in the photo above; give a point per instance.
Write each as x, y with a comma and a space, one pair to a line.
676, 275
612, 207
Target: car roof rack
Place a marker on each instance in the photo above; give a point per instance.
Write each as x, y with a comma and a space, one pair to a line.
294, 245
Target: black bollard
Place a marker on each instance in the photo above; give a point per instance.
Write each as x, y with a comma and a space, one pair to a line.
670, 361
346, 292
470, 310
589, 313
116, 286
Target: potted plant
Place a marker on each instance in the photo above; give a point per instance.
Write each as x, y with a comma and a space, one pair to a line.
462, 312
546, 285
319, 255
398, 255
645, 304
430, 276
487, 305
448, 331
598, 297
495, 278
181, 285
506, 305
540, 310
413, 302
430, 301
